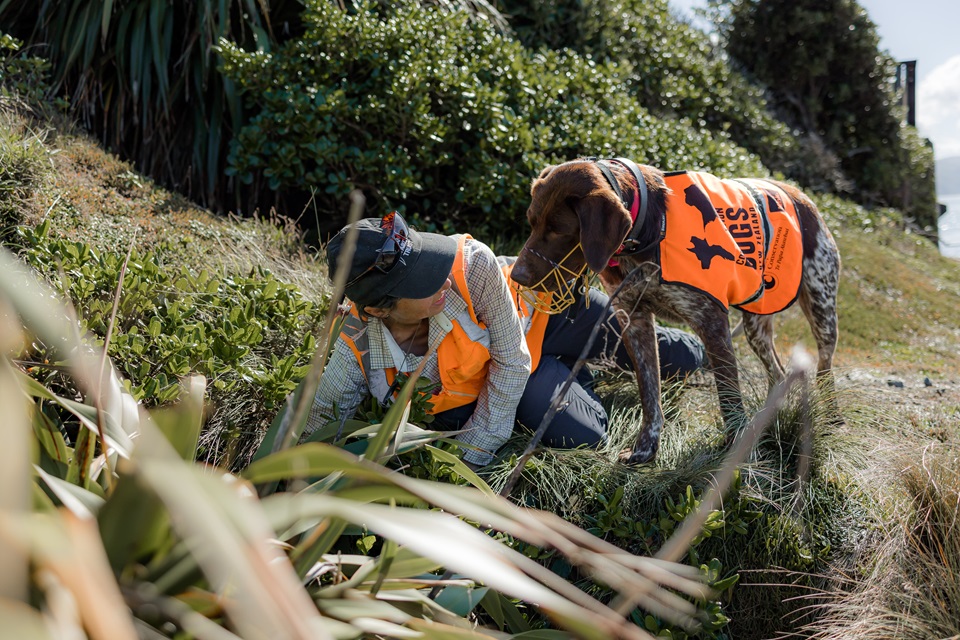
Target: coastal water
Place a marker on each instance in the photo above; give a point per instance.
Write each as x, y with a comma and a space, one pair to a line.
949, 226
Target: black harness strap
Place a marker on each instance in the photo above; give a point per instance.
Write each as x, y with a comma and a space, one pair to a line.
605, 170
630, 244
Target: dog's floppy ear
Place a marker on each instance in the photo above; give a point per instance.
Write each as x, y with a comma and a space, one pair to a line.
604, 223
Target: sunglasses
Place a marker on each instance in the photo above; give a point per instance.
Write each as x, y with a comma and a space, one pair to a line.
397, 235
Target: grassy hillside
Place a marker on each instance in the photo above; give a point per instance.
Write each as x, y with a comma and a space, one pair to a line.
239, 300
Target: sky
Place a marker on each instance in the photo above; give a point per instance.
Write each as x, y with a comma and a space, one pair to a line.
927, 31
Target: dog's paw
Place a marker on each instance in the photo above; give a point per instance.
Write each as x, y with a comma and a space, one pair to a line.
642, 456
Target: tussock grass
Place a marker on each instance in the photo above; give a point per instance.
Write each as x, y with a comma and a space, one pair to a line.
24, 166
912, 586
813, 538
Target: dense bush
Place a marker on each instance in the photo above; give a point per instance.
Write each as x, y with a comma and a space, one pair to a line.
673, 69
440, 115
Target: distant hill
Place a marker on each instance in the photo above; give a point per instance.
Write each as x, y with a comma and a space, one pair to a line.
948, 176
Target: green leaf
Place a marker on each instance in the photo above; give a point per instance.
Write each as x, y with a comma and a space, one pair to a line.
78, 500
132, 523
118, 440
461, 600
305, 461
505, 612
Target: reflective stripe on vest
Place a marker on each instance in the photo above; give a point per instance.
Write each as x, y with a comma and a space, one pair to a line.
719, 241
463, 357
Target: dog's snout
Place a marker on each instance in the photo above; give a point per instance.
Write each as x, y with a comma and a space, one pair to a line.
521, 271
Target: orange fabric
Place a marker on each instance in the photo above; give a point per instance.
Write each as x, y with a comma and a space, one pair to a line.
462, 363
783, 266
538, 322
716, 240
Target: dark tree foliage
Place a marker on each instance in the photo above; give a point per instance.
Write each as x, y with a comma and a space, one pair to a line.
675, 70
142, 76
821, 61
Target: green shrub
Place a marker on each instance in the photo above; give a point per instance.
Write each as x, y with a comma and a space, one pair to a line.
251, 336
23, 78
440, 115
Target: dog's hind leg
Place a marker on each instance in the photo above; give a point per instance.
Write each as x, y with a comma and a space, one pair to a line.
713, 328
759, 332
818, 299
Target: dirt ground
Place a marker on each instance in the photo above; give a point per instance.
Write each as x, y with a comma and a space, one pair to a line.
906, 389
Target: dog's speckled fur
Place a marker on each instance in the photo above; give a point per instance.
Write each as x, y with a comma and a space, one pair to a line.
572, 203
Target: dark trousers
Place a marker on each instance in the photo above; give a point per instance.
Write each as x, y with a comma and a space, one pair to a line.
582, 419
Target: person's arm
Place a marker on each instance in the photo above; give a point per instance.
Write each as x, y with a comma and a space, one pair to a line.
342, 385
492, 421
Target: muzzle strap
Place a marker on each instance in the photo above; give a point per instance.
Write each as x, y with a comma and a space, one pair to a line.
557, 290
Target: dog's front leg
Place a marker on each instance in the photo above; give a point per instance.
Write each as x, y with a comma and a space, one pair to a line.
641, 340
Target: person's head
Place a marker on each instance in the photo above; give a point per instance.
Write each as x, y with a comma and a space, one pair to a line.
395, 270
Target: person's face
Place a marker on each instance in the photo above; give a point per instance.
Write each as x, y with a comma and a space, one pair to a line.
413, 310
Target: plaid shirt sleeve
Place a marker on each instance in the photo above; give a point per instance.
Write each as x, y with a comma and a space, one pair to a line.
343, 386
492, 421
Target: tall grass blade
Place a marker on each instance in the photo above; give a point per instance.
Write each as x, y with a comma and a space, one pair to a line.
298, 420
79, 501
228, 535
22, 621
461, 547
15, 476
39, 308
70, 549
181, 424
615, 567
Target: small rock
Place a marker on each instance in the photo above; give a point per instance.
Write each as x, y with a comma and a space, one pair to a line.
895, 383
927, 382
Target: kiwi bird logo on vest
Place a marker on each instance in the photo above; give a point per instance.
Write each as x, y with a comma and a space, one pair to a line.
736, 240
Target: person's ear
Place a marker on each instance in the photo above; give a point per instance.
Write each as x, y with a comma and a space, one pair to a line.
375, 312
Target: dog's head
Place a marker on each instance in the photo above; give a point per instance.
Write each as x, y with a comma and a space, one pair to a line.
570, 204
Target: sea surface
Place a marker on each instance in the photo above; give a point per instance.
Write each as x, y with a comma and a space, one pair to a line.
949, 226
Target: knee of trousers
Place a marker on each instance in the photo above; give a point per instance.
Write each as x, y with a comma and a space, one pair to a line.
582, 420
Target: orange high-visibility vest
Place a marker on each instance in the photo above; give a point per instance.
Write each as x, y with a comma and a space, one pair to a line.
462, 359
738, 241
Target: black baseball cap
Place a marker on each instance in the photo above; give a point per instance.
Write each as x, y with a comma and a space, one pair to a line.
392, 259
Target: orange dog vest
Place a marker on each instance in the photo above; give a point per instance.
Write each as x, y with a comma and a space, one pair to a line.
738, 241
462, 360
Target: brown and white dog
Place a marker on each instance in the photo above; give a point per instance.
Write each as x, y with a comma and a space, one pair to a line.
701, 245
